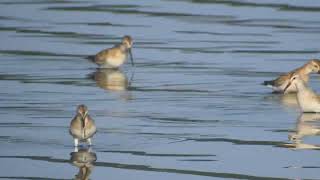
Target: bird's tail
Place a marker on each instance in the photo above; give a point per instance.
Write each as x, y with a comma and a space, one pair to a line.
90, 58
268, 83
90, 76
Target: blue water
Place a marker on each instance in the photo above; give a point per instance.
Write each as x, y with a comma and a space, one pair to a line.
191, 108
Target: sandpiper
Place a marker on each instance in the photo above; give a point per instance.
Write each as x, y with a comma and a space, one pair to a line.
308, 100
82, 127
114, 57
278, 85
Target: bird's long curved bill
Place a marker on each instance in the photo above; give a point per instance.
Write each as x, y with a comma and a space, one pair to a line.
83, 124
84, 121
131, 58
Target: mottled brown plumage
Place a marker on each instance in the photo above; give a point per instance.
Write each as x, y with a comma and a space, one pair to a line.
278, 84
82, 126
114, 57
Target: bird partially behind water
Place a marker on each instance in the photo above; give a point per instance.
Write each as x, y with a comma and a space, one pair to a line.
114, 57
278, 84
82, 126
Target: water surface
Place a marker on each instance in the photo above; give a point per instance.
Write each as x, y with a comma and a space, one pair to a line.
192, 108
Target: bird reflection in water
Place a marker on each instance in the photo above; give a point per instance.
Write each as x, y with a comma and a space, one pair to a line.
83, 159
113, 80
308, 124
287, 100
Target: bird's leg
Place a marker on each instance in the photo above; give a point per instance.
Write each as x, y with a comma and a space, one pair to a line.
89, 141
76, 142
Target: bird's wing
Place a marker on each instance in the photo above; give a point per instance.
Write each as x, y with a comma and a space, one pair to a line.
101, 56
75, 127
282, 79
318, 98
90, 128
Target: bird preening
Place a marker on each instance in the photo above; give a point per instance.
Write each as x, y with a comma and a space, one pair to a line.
296, 81
278, 85
82, 126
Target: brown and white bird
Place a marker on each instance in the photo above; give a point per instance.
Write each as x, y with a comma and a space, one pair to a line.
278, 84
308, 100
82, 127
114, 57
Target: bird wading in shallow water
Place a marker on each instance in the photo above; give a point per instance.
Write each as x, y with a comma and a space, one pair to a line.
82, 127
308, 100
278, 85
114, 57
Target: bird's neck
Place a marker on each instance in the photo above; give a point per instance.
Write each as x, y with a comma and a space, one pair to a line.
306, 70
123, 48
301, 86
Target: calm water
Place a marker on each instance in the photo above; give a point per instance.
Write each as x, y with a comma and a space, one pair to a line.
192, 108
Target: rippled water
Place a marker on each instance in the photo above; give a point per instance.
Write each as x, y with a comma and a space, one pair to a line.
192, 108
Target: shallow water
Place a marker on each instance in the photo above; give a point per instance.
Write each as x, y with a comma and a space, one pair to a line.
193, 106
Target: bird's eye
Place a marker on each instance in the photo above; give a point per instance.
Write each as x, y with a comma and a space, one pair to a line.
315, 66
294, 78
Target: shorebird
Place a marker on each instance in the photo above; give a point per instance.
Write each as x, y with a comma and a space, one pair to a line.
278, 85
82, 127
114, 57
308, 100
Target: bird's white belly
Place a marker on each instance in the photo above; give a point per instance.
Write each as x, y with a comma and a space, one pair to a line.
312, 107
115, 62
308, 104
